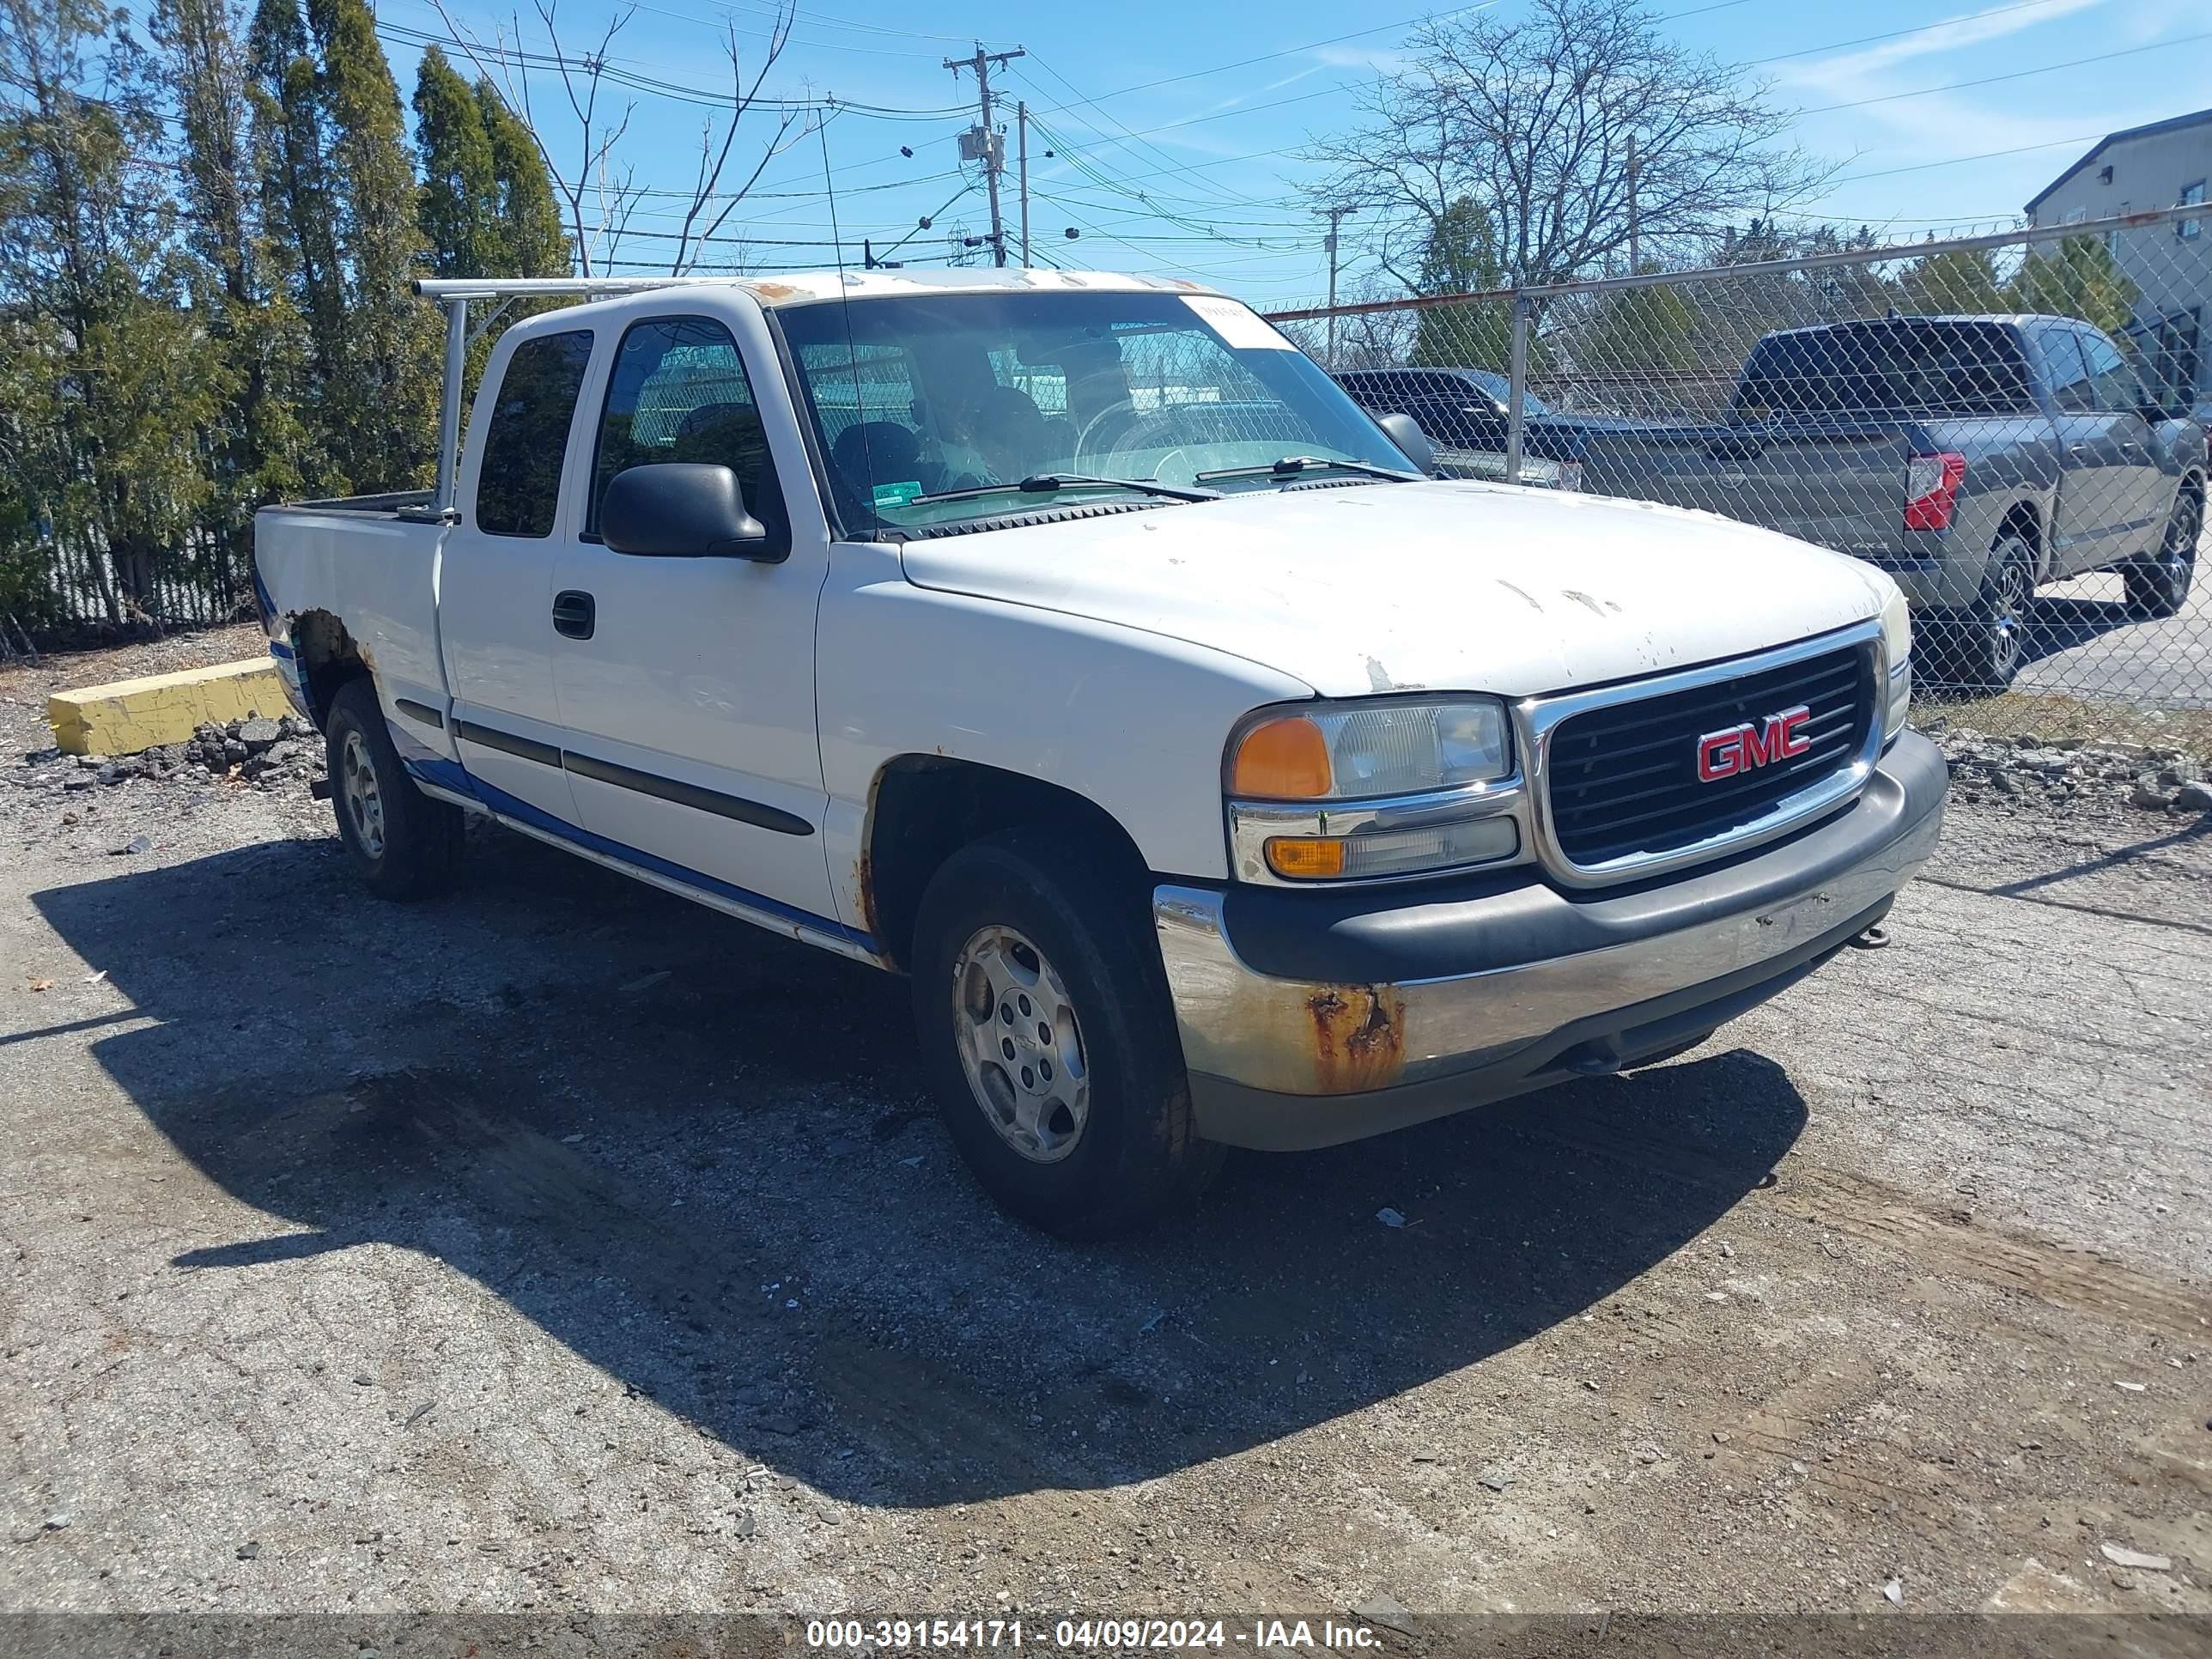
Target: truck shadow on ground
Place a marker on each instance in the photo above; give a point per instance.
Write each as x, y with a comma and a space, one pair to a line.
2057, 624
699, 1157
2053, 624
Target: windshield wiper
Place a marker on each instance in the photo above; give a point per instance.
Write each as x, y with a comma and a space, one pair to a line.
1290, 466
1045, 482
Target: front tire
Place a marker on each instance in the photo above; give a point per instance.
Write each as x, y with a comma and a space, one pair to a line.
2159, 583
405, 844
1046, 1026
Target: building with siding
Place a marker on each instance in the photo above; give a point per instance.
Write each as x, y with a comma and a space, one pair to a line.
2164, 164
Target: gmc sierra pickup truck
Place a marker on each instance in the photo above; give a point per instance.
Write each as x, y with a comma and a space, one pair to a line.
1971, 458
1071, 644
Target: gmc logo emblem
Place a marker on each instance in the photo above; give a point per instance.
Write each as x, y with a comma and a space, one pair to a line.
1755, 743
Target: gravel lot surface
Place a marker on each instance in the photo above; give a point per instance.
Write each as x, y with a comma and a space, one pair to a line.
2082, 640
562, 1247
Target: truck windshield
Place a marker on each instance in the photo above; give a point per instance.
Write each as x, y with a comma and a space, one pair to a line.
1902, 365
921, 401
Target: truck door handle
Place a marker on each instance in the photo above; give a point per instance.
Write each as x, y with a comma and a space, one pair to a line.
575, 614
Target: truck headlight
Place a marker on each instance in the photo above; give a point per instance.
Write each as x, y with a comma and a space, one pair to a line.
1381, 787
1897, 641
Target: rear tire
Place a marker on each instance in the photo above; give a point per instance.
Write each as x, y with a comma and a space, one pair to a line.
1989, 643
1050, 1041
2157, 583
405, 845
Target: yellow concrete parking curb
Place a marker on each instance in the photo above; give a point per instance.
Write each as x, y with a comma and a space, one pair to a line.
131, 715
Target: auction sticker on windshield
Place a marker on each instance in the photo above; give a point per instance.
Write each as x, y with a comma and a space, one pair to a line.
1241, 328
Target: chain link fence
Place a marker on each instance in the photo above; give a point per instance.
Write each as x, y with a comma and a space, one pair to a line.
2013, 425
59, 590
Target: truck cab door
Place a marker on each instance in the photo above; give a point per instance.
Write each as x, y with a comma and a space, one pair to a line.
2140, 493
2098, 481
688, 700
495, 577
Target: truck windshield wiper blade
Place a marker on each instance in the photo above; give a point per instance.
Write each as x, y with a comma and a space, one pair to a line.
1045, 482
1290, 466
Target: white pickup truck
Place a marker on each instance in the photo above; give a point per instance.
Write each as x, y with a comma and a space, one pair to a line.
1073, 645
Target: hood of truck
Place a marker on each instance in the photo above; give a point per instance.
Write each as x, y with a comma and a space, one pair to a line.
1444, 585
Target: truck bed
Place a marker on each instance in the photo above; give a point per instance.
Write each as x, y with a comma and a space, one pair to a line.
390, 504
370, 561
1838, 486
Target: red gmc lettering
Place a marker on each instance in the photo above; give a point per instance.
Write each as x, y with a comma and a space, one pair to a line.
1754, 743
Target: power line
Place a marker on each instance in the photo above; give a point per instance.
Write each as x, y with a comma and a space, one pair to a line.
817, 45
606, 70
818, 19
1092, 104
1955, 161
1286, 52
2016, 75
1083, 166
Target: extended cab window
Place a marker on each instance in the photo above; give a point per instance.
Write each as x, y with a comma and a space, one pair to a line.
518, 481
679, 393
2065, 371
2113, 382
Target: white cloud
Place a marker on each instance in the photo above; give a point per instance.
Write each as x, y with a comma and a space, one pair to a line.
1378, 60
1852, 68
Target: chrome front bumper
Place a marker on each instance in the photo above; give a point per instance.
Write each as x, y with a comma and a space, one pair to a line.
1335, 1022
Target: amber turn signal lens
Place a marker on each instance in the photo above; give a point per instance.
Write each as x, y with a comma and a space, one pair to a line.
1285, 759
1306, 860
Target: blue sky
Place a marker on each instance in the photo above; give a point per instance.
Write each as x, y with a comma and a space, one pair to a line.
1204, 110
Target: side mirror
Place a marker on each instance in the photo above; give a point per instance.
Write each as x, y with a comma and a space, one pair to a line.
680, 510
1405, 431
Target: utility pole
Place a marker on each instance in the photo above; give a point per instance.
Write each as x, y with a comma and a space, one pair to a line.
1635, 264
1022, 150
1335, 216
981, 143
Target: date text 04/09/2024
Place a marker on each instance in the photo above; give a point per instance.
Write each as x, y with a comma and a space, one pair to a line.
1115, 1635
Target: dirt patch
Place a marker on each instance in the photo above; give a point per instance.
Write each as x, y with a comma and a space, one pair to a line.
561, 1247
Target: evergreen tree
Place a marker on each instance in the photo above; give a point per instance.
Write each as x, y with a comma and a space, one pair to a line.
382, 407
258, 451
110, 379
488, 207
291, 156
1639, 335
461, 208
339, 204
2077, 278
534, 242
1955, 282
1461, 257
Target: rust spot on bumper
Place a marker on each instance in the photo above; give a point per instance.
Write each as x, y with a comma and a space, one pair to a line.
1358, 1037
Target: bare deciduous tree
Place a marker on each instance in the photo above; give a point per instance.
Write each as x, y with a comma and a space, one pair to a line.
1533, 119
600, 191
506, 63
692, 239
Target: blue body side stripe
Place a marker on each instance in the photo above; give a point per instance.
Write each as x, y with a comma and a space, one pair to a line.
454, 777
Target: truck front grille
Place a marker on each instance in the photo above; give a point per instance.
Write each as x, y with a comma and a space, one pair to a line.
1624, 778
